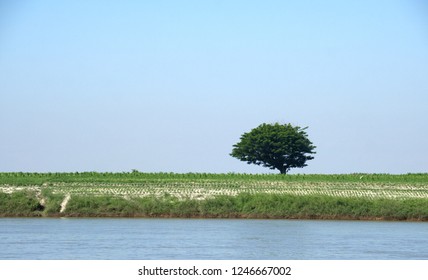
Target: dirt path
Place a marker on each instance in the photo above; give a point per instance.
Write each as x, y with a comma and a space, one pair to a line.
64, 203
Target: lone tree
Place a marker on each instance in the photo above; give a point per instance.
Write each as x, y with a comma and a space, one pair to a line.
277, 146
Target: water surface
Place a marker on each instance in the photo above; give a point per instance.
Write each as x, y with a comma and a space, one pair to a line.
90, 239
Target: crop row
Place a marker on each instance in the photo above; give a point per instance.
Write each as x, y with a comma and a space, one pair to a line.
20, 178
201, 189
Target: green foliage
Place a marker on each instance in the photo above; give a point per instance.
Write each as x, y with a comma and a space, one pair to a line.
276, 146
220, 206
39, 179
327, 207
19, 203
251, 206
101, 206
244, 205
52, 202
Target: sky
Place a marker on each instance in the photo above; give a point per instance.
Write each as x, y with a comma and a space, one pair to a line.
170, 86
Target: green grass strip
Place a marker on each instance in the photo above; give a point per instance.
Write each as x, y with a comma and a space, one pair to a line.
252, 206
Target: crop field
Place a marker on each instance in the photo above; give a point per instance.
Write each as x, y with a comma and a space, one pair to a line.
210, 188
202, 186
135, 194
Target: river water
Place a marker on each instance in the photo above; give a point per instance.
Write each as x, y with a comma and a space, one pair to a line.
119, 239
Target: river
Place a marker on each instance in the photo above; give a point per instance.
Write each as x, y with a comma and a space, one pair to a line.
201, 239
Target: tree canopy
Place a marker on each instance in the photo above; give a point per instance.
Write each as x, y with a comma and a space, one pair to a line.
276, 146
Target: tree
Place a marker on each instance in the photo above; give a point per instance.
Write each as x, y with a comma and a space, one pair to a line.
276, 146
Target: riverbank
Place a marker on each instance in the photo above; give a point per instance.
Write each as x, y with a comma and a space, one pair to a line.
267, 206
350, 197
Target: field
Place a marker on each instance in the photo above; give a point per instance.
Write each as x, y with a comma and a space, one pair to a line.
354, 196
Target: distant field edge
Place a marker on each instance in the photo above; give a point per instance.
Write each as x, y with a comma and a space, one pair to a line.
136, 176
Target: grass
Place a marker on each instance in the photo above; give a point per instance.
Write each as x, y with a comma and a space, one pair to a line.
19, 204
251, 206
21, 178
135, 194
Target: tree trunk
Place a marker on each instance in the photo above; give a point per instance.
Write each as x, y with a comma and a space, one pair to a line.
283, 170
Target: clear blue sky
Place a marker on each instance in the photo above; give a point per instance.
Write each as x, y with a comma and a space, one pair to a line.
171, 85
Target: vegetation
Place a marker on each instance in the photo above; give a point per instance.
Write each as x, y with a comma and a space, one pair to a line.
135, 194
276, 146
20, 203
